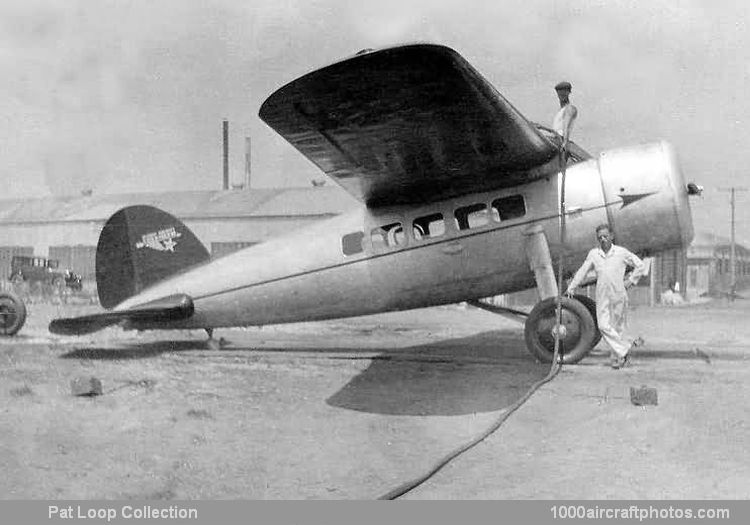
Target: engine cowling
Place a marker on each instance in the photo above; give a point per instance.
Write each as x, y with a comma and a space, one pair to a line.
648, 207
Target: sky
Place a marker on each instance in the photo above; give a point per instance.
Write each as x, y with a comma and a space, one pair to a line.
115, 97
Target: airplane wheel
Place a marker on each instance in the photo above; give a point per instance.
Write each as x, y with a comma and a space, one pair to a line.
590, 305
578, 339
12, 313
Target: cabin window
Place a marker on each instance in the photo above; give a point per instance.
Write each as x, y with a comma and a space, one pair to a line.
472, 216
351, 243
390, 235
429, 226
507, 208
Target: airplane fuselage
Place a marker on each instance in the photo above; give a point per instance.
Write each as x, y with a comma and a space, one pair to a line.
467, 247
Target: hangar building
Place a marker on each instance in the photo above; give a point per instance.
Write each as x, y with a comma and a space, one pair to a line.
67, 228
708, 262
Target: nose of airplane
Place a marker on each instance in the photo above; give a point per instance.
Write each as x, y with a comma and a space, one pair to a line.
647, 198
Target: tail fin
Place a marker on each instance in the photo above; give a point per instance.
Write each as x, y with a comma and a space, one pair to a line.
140, 246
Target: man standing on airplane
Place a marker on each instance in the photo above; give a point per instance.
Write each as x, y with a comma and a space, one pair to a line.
563, 121
610, 262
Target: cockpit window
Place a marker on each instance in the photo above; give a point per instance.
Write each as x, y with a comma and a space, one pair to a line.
351, 243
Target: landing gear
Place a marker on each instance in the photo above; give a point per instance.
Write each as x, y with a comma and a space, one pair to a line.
577, 334
578, 330
214, 344
12, 314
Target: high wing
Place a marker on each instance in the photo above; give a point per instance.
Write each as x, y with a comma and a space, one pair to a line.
407, 124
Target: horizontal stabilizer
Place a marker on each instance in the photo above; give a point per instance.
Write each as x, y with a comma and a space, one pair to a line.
166, 309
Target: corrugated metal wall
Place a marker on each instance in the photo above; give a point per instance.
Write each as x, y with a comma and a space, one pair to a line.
6, 255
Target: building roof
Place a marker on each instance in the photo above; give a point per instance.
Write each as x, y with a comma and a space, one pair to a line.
707, 245
276, 202
709, 239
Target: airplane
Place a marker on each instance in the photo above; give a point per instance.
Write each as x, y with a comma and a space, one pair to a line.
460, 201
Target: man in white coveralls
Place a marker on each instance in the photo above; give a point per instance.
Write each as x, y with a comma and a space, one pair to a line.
610, 262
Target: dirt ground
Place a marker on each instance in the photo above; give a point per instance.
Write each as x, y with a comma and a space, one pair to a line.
351, 409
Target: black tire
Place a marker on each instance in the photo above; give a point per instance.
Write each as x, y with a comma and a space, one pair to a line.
590, 305
580, 330
12, 314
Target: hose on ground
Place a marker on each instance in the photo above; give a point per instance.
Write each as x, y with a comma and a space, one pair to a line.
407, 487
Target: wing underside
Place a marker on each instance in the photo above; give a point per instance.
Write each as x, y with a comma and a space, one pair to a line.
406, 125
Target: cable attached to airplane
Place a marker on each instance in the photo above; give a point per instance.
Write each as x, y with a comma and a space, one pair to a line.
411, 485
408, 486
560, 260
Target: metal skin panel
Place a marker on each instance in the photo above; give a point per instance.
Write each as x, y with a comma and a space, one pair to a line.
585, 206
259, 281
654, 211
410, 124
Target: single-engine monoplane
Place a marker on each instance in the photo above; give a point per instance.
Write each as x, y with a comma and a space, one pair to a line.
460, 200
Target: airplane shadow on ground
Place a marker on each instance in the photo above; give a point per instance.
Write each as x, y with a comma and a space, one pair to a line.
139, 350
481, 373
485, 372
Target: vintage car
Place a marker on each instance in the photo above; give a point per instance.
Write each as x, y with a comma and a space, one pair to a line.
41, 270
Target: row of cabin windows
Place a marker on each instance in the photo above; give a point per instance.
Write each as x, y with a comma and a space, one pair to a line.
433, 225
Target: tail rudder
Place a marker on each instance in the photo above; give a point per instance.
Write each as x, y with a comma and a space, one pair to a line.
140, 246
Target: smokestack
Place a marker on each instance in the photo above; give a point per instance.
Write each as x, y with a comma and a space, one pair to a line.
247, 163
226, 155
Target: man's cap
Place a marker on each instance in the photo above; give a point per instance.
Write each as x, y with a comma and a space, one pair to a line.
563, 86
